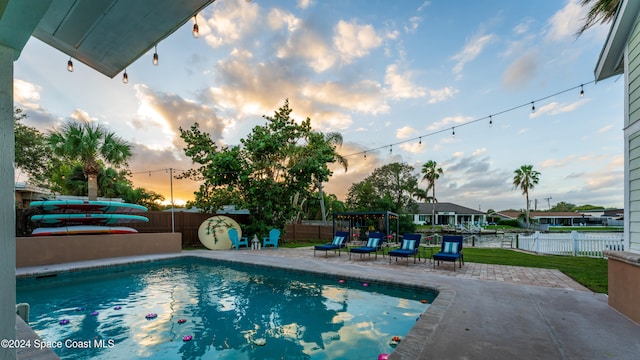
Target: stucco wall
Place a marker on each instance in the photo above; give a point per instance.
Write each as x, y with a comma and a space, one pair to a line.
47, 250
624, 283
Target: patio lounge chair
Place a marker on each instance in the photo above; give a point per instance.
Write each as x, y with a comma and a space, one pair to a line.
451, 250
272, 239
410, 246
233, 235
339, 242
374, 244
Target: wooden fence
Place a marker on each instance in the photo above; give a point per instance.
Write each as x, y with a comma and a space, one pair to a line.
189, 223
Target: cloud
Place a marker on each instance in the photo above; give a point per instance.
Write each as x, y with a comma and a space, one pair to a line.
352, 40
471, 50
364, 96
564, 24
405, 132
26, 94
521, 71
229, 22
523, 26
436, 96
447, 122
167, 113
555, 108
400, 85
303, 4
359, 168
414, 23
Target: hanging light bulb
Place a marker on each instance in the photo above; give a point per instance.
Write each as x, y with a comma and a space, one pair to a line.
70, 65
390, 149
453, 132
365, 155
420, 142
490, 121
155, 55
125, 77
581, 91
533, 107
196, 29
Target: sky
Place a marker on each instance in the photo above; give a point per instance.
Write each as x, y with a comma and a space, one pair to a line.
396, 78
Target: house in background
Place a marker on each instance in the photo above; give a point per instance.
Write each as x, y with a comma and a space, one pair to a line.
562, 218
447, 214
621, 55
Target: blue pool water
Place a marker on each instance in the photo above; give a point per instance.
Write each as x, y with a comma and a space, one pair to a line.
229, 309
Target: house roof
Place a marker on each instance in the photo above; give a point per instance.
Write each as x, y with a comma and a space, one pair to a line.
106, 35
611, 60
426, 208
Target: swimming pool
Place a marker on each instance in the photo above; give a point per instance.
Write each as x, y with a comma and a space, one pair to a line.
229, 312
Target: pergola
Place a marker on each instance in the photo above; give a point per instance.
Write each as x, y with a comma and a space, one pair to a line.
359, 219
106, 35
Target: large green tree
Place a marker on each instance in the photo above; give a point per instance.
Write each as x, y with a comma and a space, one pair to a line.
277, 162
525, 179
430, 173
90, 144
390, 187
32, 153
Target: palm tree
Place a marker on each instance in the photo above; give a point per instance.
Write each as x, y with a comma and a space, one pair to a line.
334, 139
602, 11
431, 172
89, 144
526, 179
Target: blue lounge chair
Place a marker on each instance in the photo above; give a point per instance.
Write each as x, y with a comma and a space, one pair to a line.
339, 242
272, 239
235, 241
374, 244
450, 250
410, 246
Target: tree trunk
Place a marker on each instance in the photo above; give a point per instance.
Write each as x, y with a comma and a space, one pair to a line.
527, 214
322, 209
92, 182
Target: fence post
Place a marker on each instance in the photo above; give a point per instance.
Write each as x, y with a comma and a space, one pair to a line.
574, 237
536, 241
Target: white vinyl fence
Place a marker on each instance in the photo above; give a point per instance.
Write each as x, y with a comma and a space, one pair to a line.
574, 243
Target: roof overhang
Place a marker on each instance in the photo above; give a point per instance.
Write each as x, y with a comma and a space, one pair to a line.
611, 60
106, 35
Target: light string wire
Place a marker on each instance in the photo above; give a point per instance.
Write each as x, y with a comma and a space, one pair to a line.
488, 117
155, 171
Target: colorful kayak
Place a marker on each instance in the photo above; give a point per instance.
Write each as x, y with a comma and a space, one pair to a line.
82, 229
88, 206
87, 219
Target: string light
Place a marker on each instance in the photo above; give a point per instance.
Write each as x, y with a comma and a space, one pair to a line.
155, 55
581, 91
490, 117
420, 142
390, 149
70, 65
365, 155
453, 132
196, 29
125, 77
533, 107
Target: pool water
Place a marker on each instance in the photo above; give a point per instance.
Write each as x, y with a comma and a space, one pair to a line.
229, 311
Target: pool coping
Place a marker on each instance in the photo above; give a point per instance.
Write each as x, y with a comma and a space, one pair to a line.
413, 346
